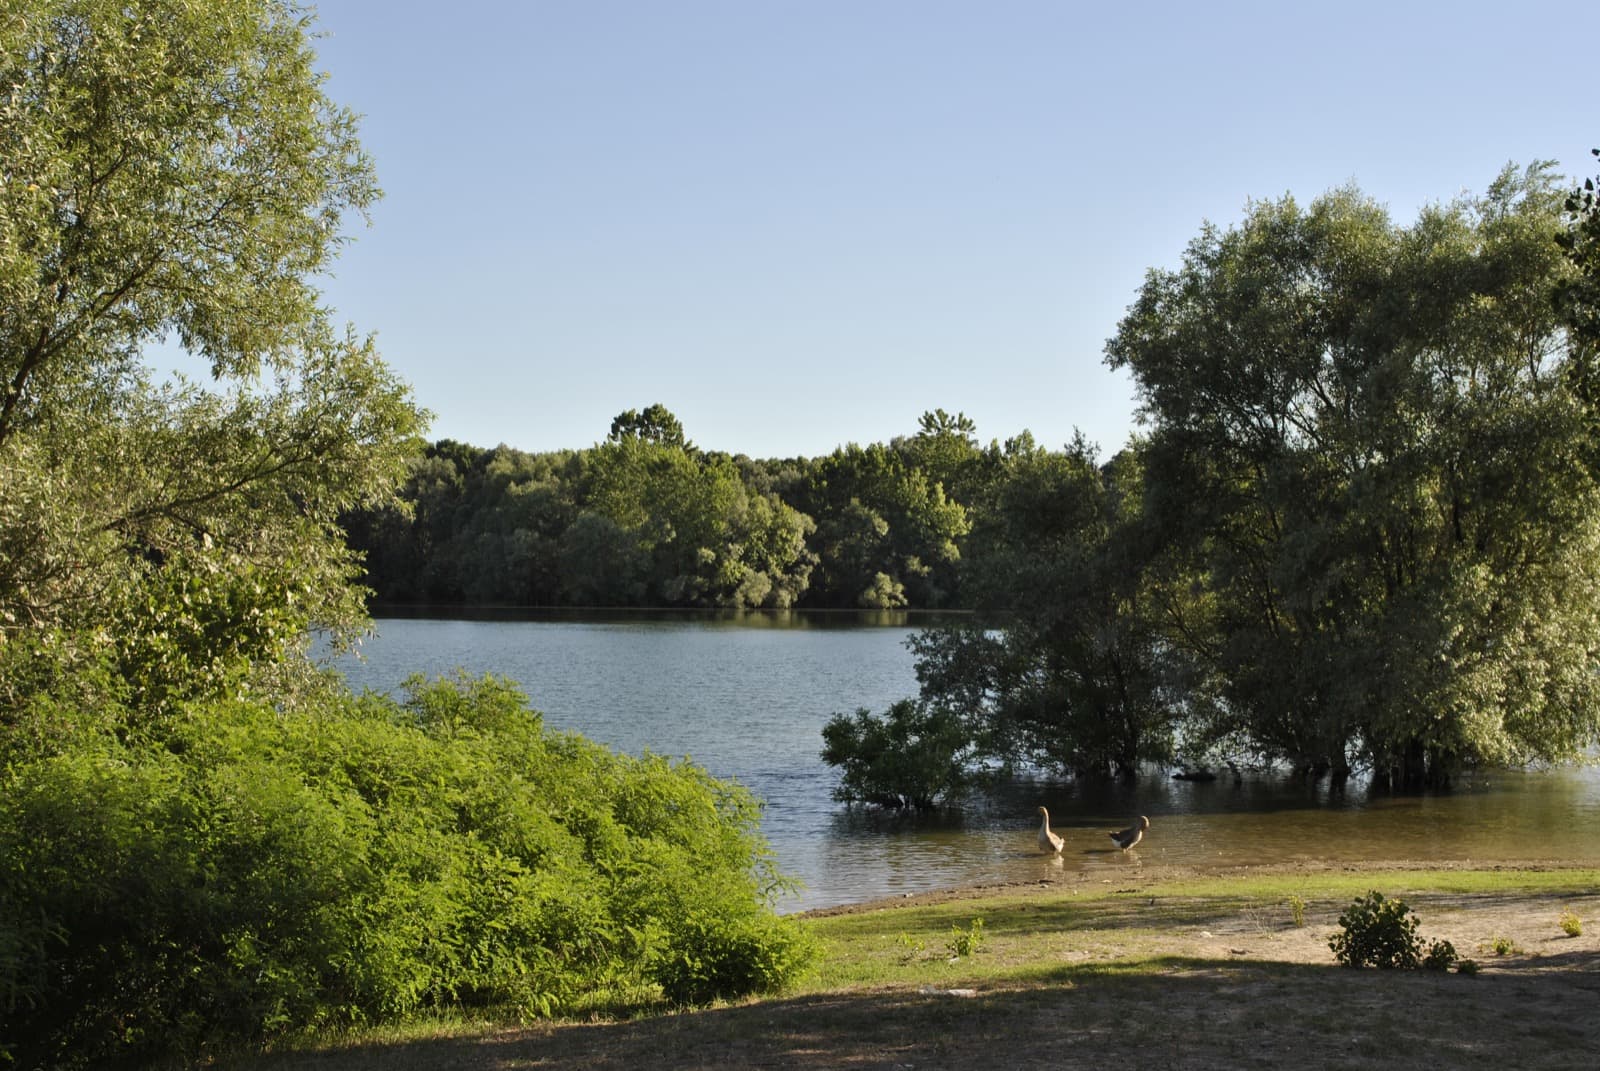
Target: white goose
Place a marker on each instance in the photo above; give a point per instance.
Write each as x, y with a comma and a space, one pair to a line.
1048, 841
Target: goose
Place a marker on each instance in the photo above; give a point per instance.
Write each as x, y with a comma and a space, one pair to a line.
1048, 841
1127, 838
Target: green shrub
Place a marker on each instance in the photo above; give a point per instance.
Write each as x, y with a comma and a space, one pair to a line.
1571, 924
250, 872
912, 756
1297, 908
716, 957
1441, 956
966, 942
1379, 932
910, 947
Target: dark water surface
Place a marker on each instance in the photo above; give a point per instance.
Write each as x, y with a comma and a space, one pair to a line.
746, 697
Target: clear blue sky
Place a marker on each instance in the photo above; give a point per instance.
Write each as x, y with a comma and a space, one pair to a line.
800, 224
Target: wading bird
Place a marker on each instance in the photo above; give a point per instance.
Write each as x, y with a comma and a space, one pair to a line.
1048, 841
1127, 838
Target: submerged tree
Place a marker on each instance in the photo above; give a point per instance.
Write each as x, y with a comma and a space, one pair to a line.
1369, 435
916, 755
1081, 678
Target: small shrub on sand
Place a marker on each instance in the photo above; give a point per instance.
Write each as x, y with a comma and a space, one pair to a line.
1377, 931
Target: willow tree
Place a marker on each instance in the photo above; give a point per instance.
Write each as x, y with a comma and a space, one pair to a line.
173, 179
1369, 434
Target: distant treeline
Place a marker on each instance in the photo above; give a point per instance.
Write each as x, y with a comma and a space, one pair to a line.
646, 518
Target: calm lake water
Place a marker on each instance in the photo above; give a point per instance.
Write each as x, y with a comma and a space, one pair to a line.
746, 696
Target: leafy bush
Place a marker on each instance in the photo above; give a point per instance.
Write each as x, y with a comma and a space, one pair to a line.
966, 942
1379, 932
1571, 924
1383, 933
1441, 956
910, 947
254, 872
1297, 908
912, 756
715, 957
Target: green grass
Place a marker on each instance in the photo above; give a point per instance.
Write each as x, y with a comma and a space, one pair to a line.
1032, 936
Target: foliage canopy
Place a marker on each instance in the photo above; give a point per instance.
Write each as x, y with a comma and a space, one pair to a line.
1361, 531
203, 840
1368, 436
172, 174
254, 873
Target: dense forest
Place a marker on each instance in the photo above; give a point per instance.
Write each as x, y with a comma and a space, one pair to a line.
645, 518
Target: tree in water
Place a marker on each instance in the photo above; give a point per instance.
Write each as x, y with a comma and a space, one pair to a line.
1370, 438
1080, 678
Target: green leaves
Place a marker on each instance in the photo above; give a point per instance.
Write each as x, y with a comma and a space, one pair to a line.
173, 172
914, 755
1378, 932
1082, 677
192, 177
1367, 436
258, 871
665, 524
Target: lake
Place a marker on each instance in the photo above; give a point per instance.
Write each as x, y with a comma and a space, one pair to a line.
746, 696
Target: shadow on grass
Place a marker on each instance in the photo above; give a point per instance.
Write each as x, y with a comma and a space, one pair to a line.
1178, 1013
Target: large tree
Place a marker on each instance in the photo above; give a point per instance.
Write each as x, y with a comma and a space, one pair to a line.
1369, 435
172, 178
1081, 677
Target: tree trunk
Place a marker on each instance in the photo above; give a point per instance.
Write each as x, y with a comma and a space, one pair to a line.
1339, 770
1441, 768
1414, 768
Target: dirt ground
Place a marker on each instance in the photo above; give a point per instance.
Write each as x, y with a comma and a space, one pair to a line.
1237, 989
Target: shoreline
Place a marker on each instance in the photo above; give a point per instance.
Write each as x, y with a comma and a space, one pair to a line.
1170, 873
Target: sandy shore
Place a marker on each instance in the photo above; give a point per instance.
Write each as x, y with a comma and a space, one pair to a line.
1151, 875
